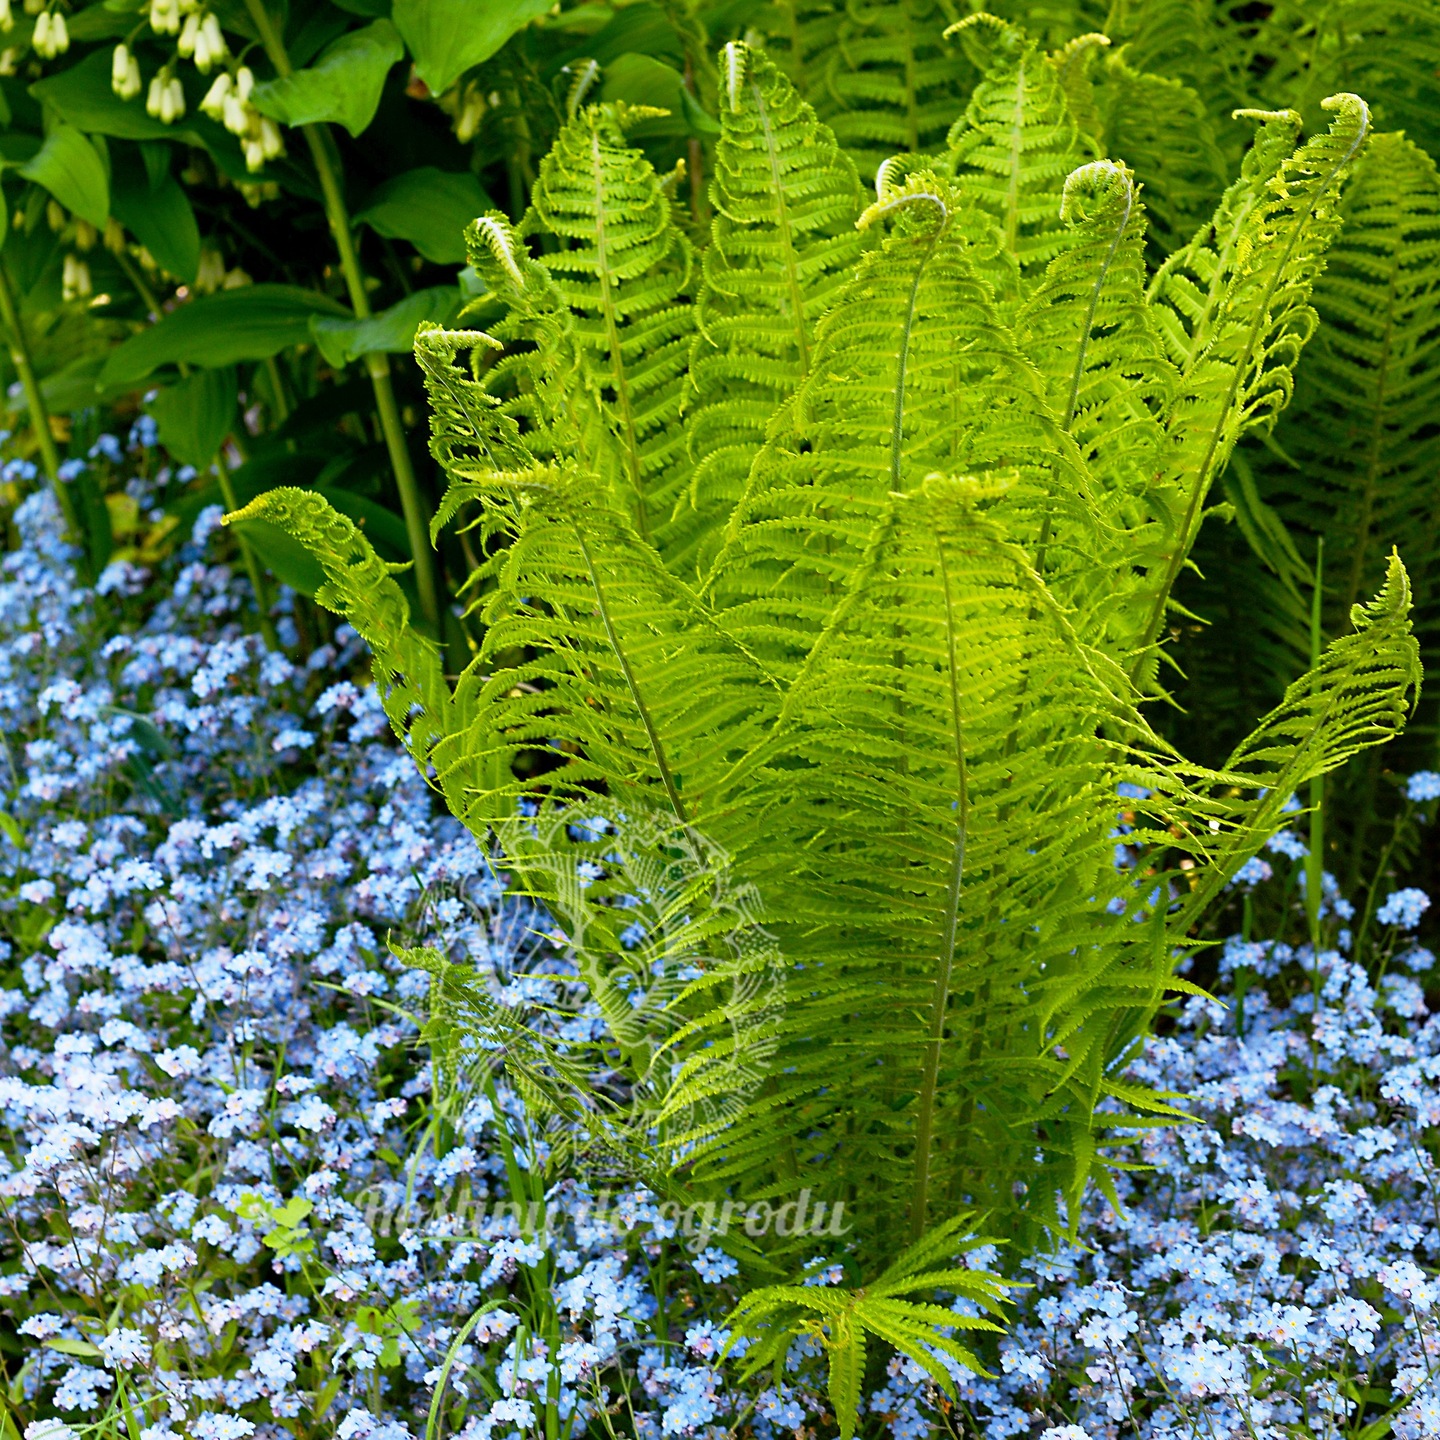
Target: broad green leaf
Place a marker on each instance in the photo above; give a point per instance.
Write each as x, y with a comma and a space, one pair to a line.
342, 87
392, 331
162, 220
642, 80
428, 207
251, 323
447, 37
68, 166
82, 97
286, 558
196, 415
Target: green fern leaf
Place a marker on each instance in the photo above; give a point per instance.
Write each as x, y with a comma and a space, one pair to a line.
1016, 143
877, 73
782, 240
1238, 299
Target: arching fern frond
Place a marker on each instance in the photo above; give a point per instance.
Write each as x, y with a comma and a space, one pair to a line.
913, 372
1109, 381
1362, 431
1016, 143
782, 240
619, 270
1239, 313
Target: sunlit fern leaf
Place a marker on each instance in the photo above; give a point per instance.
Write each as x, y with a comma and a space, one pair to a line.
621, 668
1016, 141
923, 937
895, 392
1235, 304
840, 1319
1357, 697
621, 269
1091, 333
782, 240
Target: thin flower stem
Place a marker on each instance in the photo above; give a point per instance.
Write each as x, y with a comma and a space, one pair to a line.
377, 365
39, 415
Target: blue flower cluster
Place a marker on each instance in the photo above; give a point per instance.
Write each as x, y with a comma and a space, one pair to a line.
243, 1197
214, 1098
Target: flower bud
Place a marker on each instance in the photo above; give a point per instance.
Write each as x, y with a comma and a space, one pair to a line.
189, 34
213, 104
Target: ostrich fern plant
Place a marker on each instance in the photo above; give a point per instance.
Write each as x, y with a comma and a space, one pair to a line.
840, 560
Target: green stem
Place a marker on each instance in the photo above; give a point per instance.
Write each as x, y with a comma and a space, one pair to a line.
39, 415
1315, 859
252, 565
327, 169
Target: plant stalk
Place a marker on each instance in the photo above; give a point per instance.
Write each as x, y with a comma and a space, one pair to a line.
1315, 859
39, 415
377, 365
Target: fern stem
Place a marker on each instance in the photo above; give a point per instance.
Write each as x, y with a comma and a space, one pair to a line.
925, 1122
612, 336
897, 425
377, 365
35, 402
1078, 374
792, 278
1012, 192
656, 747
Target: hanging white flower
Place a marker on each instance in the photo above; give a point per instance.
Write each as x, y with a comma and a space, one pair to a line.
125, 73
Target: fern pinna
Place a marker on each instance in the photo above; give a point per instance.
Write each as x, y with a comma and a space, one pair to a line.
881, 660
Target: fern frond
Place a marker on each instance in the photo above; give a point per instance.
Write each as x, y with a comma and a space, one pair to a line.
1109, 381
877, 73
1016, 143
893, 395
1239, 313
782, 240
1358, 696
1362, 429
1163, 131
606, 308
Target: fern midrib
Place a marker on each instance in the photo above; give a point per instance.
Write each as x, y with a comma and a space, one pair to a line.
929, 1081
1241, 366
1017, 149
1094, 305
657, 747
782, 205
612, 334
897, 423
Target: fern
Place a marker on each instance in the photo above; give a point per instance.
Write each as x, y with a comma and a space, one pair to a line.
1238, 303
785, 201
1016, 142
1356, 458
894, 713
876, 71
1161, 128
